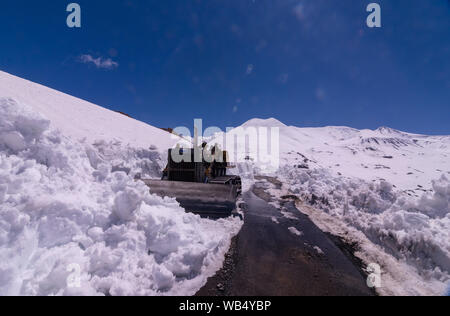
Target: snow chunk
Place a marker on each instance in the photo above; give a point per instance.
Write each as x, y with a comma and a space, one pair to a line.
126, 203
437, 205
295, 231
318, 250
19, 125
13, 141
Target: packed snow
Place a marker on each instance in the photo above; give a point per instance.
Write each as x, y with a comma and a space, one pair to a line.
386, 190
318, 250
295, 231
73, 220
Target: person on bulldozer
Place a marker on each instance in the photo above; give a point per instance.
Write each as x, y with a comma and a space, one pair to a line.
214, 162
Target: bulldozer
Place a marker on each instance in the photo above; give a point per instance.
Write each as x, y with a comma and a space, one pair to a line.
201, 186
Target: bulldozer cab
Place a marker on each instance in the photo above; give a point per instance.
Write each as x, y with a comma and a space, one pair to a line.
187, 165
198, 179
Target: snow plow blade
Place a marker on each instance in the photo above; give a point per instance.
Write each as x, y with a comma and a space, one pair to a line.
208, 200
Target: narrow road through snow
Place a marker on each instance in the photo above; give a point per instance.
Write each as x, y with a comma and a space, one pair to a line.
283, 254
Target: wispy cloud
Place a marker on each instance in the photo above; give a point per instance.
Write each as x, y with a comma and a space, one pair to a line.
299, 11
100, 62
321, 94
249, 70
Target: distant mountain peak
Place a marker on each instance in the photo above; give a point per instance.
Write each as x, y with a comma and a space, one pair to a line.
258, 122
387, 130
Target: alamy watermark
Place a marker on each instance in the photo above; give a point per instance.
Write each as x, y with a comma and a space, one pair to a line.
74, 18
373, 20
73, 280
250, 144
374, 278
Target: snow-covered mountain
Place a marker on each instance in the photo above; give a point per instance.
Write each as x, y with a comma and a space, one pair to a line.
408, 161
73, 221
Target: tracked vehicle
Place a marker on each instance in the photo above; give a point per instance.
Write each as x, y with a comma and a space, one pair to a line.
199, 182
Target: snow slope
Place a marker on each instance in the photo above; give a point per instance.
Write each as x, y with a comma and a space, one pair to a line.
83, 120
386, 190
73, 221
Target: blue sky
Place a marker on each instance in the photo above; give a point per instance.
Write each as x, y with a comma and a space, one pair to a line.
305, 62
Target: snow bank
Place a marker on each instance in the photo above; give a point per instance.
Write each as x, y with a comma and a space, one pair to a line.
74, 222
415, 231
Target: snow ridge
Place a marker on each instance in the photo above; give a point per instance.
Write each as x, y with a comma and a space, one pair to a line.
82, 120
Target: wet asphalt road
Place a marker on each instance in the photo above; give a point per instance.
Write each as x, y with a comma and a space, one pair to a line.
266, 259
